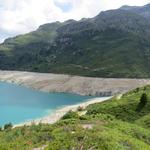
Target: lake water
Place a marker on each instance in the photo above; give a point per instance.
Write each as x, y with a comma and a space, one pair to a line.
19, 104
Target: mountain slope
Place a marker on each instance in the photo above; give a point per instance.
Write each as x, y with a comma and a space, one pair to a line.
115, 43
110, 125
126, 108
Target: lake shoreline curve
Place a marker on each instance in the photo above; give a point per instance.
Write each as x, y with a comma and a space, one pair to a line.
104, 88
60, 112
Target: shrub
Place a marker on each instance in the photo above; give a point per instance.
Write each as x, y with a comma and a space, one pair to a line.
144, 98
80, 108
142, 103
8, 126
70, 114
137, 90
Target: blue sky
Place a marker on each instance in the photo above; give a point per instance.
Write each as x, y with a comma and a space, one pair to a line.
22, 16
64, 6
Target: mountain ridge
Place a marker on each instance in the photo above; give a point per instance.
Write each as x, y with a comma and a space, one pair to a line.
115, 43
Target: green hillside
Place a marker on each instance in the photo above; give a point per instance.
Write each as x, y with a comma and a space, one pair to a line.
119, 124
115, 43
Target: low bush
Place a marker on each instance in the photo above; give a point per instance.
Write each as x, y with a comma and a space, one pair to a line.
8, 126
69, 115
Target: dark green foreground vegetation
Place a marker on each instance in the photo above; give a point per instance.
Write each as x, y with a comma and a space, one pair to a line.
118, 124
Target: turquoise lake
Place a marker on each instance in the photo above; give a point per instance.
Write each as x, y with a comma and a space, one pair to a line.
19, 104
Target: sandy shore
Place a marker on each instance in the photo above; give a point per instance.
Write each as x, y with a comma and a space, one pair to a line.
59, 113
48, 82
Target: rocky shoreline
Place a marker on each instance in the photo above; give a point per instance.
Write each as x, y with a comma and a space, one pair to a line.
48, 82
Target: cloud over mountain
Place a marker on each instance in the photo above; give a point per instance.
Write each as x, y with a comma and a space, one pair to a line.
21, 16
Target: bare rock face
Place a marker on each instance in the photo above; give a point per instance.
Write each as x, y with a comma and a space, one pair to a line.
72, 84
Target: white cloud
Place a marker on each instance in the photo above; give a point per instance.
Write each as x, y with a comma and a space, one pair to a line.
21, 16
